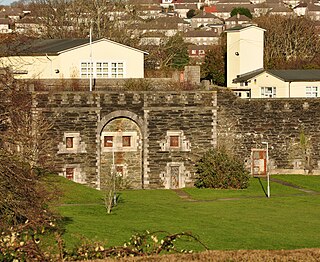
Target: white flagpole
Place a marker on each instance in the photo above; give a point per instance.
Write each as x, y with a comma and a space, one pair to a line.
91, 65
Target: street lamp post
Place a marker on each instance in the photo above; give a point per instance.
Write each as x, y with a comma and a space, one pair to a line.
268, 175
113, 175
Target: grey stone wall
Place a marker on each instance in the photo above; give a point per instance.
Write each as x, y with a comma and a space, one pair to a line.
154, 116
199, 120
243, 124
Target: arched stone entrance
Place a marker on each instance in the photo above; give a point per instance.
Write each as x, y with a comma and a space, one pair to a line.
120, 144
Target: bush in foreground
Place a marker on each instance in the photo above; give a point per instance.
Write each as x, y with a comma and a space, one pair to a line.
217, 169
25, 246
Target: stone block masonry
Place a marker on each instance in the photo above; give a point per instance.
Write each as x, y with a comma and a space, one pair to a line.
151, 139
290, 126
154, 139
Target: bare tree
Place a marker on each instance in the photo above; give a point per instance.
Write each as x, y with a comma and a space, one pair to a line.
171, 53
24, 151
25, 131
290, 42
74, 18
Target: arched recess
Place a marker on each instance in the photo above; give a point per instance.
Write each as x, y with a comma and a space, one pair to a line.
120, 144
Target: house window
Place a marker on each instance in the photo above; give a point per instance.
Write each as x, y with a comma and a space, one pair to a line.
70, 173
268, 92
238, 94
69, 142
311, 91
116, 70
108, 141
174, 141
126, 141
85, 69
201, 52
193, 52
102, 69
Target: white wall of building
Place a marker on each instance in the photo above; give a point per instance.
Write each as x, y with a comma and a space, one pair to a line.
68, 64
245, 49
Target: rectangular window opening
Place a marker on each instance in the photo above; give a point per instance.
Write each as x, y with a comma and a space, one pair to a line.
126, 141
268, 92
70, 173
174, 141
69, 142
311, 91
108, 141
102, 69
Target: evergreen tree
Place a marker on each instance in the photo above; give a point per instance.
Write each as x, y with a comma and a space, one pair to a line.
176, 51
213, 68
241, 11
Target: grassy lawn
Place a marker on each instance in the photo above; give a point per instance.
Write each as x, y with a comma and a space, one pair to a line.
288, 220
308, 182
257, 188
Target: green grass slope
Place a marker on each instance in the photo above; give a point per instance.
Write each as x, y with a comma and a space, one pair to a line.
222, 219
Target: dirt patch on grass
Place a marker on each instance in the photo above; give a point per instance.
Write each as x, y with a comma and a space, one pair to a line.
310, 255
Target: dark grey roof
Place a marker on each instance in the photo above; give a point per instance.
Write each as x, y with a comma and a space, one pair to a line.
296, 75
245, 77
51, 46
290, 75
241, 27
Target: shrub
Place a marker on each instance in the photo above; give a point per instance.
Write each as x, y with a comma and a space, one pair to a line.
217, 169
138, 85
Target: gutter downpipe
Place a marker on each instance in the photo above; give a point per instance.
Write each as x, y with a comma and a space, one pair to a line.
289, 89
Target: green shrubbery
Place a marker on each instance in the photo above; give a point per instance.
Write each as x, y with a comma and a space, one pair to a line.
217, 169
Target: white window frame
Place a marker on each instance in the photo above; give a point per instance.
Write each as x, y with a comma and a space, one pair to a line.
103, 73
268, 92
312, 91
116, 70
103, 69
85, 65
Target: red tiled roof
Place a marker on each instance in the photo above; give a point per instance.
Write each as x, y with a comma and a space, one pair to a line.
210, 9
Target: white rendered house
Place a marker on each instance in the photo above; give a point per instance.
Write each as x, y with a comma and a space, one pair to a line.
244, 51
76, 58
247, 77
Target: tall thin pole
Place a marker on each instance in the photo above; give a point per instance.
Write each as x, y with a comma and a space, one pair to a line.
268, 167
114, 177
268, 174
91, 65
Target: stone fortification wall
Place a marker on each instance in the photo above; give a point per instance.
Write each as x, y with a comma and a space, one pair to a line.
154, 139
243, 124
158, 135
